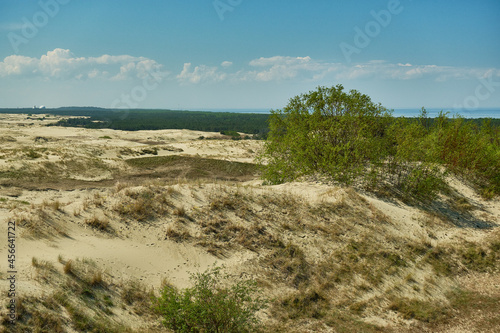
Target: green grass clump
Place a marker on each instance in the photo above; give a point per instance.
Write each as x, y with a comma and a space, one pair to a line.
419, 310
195, 167
211, 305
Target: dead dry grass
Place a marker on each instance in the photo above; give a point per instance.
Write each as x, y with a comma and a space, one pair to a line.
81, 298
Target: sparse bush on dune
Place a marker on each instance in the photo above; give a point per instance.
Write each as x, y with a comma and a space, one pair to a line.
346, 138
211, 305
81, 300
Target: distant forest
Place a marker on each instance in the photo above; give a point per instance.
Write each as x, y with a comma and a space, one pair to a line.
135, 120
147, 119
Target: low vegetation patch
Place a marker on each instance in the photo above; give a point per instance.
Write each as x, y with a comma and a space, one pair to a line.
469, 256
98, 223
190, 167
419, 310
144, 203
211, 305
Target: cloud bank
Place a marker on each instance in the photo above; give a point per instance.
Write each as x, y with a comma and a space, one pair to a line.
62, 64
283, 68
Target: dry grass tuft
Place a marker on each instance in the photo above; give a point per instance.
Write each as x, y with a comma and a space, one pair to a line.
135, 294
177, 233
55, 205
97, 223
290, 265
38, 223
143, 204
180, 211
98, 199
97, 279
68, 267
420, 310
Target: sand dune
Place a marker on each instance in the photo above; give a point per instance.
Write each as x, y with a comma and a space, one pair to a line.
74, 197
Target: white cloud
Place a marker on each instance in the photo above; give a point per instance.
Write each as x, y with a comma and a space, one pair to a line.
306, 68
280, 60
282, 68
200, 74
63, 64
18, 65
226, 64
384, 70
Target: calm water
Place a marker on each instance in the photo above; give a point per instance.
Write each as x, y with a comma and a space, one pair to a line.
476, 113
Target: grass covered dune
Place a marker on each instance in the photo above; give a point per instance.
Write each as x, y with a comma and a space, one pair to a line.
351, 221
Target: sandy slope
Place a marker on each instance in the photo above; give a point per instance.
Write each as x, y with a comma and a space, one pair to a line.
139, 254
132, 249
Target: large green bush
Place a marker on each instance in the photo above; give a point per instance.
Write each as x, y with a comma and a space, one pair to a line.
326, 131
211, 305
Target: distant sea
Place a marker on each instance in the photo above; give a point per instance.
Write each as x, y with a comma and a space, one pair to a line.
467, 113
409, 112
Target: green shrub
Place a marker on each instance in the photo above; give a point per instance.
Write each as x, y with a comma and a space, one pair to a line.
327, 131
422, 181
210, 305
234, 134
469, 150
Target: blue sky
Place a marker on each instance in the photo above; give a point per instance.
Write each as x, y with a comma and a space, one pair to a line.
248, 53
